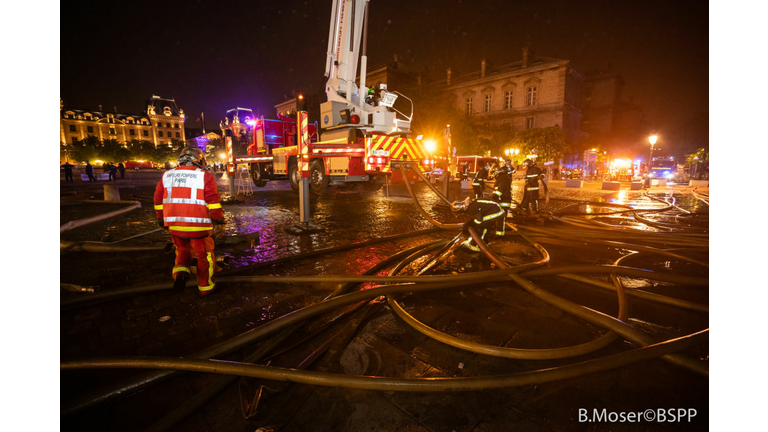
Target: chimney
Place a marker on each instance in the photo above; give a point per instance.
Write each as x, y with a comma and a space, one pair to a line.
482, 68
115, 109
527, 56
100, 110
448, 79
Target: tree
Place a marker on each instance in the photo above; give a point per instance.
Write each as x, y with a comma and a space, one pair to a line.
141, 150
549, 143
166, 153
113, 151
85, 150
699, 163
434, 110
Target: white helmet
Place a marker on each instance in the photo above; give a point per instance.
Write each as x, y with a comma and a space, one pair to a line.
192, 155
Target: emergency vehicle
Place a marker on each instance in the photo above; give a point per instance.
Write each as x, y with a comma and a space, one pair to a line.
361, 130
663, 167
475, 163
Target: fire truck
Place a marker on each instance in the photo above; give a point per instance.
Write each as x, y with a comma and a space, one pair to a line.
361, 129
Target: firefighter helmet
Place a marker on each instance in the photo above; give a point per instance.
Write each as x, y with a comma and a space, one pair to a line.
529, 162
460, 206
192, 156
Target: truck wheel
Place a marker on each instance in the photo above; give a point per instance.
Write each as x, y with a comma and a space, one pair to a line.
318, 181
257, 174
375, 183
293, 176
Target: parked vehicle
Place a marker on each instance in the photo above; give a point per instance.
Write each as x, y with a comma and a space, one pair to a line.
140, 164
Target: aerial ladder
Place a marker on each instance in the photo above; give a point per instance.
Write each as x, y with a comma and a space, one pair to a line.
349, 105
360, 131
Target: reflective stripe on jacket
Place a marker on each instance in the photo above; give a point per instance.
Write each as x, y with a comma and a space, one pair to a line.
484, 210
188, 202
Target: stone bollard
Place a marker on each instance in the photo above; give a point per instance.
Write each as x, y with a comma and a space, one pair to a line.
609, 185
572, 183
111, 193
636, 185
698, 183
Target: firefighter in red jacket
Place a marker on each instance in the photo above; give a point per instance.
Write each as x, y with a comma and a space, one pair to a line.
187, 203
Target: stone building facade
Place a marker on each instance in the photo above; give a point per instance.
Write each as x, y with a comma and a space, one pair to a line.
161, 122
531, 93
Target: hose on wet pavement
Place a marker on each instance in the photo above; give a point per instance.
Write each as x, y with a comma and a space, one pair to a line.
436, 384
403, 285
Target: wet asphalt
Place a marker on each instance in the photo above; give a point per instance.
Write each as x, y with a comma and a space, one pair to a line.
175, 324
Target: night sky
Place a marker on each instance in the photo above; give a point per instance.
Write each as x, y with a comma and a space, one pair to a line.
213, 56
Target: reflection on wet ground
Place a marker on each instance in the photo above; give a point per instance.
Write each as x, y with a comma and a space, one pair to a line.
496, 313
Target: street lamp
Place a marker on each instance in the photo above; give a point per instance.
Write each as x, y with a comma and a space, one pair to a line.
651, 139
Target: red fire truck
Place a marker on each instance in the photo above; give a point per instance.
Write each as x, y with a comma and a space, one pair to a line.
362, 128
350, 157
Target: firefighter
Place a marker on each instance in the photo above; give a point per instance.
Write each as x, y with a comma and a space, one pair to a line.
478, 182
531, 195
188, 205
502, 193
485, 215
465, 171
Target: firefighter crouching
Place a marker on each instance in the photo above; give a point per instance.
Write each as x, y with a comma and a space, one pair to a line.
531, 195
502, 193
478, 182
485, 215
187, 203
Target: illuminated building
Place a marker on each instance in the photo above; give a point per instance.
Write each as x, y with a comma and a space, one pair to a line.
535, 92
161, 122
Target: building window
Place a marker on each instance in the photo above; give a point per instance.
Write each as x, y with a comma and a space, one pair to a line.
112, 131
146, 132
530, 122
487, 104
90, 129
74, 139
530, 96
178, 135
132, 132
468, 105
176, 125
167, 125
508, 100
160, 134
72, 128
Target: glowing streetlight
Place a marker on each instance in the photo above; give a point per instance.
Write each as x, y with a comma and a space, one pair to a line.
430, 146
651, 139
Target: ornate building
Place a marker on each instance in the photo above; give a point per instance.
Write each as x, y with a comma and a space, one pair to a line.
532, 93
161, 122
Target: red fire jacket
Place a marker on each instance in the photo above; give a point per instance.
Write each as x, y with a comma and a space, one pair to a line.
188, 201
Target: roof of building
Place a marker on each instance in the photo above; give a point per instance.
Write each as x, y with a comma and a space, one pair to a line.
499, 70
98, 115
157, 102
160, 104
241, 114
